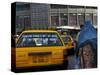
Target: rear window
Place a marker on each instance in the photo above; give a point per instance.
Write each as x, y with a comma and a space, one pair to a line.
39, 39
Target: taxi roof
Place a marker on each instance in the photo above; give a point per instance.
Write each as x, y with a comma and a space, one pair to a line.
39, 31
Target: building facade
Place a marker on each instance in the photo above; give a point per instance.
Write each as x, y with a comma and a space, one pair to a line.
31, 16
44, 16
70, 15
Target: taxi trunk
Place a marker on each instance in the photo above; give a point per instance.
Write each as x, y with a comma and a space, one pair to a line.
37, 56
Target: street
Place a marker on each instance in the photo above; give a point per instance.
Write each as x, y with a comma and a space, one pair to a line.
72, 62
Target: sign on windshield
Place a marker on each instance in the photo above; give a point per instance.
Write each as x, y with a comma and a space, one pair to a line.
39, 39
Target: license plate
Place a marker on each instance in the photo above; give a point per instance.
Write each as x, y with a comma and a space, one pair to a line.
39, 59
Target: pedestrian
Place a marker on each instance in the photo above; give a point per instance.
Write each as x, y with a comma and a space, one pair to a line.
86, 47
77, 62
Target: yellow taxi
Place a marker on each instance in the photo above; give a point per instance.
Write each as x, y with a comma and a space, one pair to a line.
69, 44
39, 48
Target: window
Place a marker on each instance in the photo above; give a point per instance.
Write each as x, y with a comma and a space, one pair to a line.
55, 20
27, 22
19, 21
64, 19
66, 38
40, 16
22, 7
94, 19
80, 19
89, 17
39, 39
72, 19
23, 22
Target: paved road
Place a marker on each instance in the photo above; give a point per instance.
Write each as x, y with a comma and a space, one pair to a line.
72, 62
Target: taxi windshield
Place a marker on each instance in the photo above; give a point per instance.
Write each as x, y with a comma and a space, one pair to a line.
39, 39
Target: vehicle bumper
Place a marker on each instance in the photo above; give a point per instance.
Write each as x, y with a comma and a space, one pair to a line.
39, 68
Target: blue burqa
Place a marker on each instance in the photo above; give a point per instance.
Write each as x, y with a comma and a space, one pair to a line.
88, 34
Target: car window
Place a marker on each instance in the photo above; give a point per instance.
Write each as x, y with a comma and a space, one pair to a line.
39, 39
66, 38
